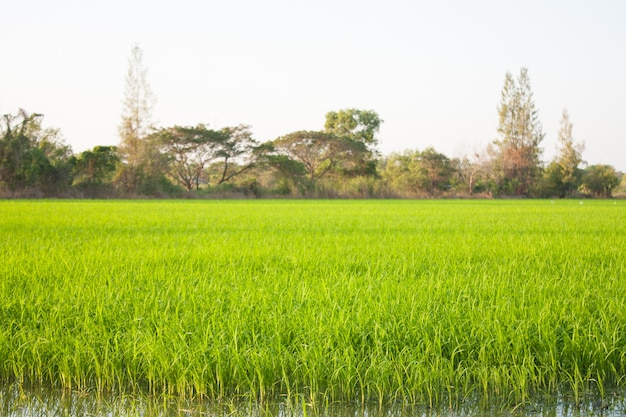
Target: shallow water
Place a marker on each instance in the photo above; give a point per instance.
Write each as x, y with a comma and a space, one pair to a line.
42, 401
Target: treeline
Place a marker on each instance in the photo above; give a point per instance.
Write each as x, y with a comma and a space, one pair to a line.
340, 160
337, 161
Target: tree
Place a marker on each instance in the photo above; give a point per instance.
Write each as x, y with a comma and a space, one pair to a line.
621, 188
135, 153
401, 171
517, 152
415, 172
18, 141
288, 175
236, 152
473, 173
552, 182
57, 162
437, 169
198, 154
32, 157
188, 152
93, 169
319, 152
600, 180
361, 126
569, 156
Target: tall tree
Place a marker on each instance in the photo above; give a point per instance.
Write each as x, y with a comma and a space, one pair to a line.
516, 151
569, 155
134, 151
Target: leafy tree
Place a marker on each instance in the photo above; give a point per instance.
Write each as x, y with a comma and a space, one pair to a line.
437, 169
569, 157
198, 154
93, 169
401, 170
361, 126
236, 153
32, 157
135, 152
552, 181
319, 152
188, 152
57, 162
621, 188
413, 172
289, 175
600, 180
18, 140
516, 151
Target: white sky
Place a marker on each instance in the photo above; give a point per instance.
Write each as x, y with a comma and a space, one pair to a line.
432, 70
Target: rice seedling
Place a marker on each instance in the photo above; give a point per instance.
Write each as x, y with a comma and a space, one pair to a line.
321, 301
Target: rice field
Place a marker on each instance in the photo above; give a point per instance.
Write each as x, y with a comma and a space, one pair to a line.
423, 302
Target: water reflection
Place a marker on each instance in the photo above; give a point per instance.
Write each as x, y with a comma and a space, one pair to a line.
41, 401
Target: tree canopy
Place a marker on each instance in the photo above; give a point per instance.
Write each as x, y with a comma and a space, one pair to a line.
319, 152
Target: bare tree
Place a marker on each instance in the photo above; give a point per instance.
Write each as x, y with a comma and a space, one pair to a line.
134, 152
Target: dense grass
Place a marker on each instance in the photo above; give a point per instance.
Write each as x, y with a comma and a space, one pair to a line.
325, 300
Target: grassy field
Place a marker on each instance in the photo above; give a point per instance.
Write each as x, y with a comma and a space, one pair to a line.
419, 301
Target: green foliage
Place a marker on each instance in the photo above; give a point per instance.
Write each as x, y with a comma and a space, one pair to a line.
555, 183
600, 180
569, 157
32, 157
321, 154
517, 152
552, 184
188, 152
562, 177
199, 155
422, 302
237, 154
289, 176
359, 125
621, 188
94, 169
413, 172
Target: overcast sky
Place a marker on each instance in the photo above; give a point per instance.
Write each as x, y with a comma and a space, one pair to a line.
433, 70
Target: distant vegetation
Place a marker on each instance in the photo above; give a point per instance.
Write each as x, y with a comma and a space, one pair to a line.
340, 160
430, 302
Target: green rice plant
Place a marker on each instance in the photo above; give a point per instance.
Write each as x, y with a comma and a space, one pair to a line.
317, 301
